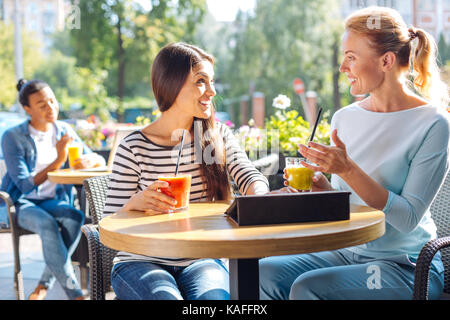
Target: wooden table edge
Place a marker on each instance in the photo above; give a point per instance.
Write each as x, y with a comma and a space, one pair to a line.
71, 177
255, 248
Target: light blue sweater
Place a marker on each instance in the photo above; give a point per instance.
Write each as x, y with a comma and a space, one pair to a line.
407, 152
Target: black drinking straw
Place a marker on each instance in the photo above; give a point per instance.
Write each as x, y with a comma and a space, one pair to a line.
179, 153
315, 124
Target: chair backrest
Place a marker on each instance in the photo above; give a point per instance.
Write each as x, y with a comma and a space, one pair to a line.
267, 165
96, 189
2, 169
118, 136
440, 212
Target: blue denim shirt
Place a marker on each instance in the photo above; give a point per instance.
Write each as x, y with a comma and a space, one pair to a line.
19, 151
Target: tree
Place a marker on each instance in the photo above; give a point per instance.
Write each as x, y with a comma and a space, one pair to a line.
31, 59
119, 36
443, 50
282, 40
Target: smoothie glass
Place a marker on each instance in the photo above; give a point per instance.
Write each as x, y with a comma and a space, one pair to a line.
179, 189
75, 151
299, 177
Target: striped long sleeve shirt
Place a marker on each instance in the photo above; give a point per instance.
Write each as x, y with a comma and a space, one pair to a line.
139, 161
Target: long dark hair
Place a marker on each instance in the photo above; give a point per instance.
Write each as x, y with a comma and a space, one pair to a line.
170, 70
27, 88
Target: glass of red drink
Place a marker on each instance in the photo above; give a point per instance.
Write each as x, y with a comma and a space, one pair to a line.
179, 189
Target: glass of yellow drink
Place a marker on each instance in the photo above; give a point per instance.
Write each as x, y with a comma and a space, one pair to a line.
299, 177
75, 151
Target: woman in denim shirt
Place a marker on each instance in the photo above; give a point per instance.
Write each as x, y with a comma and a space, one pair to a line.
32, 149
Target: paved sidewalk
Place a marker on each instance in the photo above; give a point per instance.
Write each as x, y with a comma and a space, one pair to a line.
32, 263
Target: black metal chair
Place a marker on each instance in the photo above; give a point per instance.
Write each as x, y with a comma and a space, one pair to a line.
440, 212
100, 256
16, 232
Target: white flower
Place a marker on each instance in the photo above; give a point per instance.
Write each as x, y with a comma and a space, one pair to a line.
85, 125
254, 133
281, 102
251, 122
244, 129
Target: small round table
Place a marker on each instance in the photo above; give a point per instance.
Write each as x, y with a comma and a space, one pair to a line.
204, 231
68, 176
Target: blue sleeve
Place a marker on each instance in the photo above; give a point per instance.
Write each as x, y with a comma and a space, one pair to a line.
16, 166
426, 174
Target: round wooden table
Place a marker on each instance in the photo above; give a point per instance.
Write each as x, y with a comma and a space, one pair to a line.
69, 176
204, 231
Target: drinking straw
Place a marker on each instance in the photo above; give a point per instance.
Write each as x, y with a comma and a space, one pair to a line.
315, 124
179, 153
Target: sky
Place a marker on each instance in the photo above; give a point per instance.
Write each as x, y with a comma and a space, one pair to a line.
225, 10
222, 10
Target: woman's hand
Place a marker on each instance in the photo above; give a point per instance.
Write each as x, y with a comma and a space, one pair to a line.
284, 190
61, 148
89, 160
152, 199
329, 159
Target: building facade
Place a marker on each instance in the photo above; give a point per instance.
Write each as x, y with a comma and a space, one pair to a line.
43, 17
431, 15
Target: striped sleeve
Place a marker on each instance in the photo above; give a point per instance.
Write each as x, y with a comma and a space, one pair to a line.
239, 166
124, 181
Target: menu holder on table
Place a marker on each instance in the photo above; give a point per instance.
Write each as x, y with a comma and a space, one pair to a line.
290, 208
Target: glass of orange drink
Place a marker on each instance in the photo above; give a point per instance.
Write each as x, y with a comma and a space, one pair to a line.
179, 189
75, 151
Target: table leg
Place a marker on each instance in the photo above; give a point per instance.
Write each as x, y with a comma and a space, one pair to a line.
81, 253
244, 279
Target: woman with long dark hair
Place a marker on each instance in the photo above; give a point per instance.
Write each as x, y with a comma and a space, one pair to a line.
31, 150
183, 85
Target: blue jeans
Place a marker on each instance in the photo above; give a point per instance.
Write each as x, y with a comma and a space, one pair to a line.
59, 227
340, 274
205, 279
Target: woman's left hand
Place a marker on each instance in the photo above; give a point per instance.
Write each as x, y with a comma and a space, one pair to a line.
89, 160
286, 189
329, 159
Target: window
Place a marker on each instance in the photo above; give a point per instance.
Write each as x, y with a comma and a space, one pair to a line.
361, 3
32, 17
48, 19
446, 5
428, 5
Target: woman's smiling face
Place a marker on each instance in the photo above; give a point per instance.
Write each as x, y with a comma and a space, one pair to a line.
361, 64
195, 97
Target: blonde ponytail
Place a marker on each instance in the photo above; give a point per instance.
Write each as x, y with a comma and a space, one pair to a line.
427, 80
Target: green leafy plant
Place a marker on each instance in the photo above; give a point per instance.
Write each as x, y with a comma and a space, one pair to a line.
283, 132
291, 129
94, 133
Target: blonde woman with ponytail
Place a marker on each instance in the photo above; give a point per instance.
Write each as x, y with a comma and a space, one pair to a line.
391, 151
